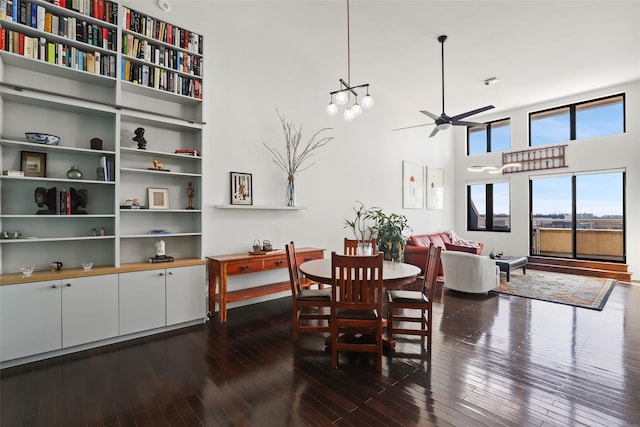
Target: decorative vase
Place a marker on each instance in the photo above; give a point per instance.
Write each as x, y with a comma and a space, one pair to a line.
364, 249
74, 173
291, 190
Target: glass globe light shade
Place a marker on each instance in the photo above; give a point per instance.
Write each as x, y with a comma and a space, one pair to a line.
341, 98
357, 109
349, 115
332, 109
367, 101
444, 126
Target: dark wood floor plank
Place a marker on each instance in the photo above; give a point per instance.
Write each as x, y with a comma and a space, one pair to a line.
497, 360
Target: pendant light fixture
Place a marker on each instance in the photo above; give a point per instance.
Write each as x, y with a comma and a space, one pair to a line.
342, 96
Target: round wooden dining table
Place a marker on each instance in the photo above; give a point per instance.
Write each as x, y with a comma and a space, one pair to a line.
393, 273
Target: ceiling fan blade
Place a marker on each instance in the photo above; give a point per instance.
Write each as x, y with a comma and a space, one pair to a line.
463, 123
427, 113
414, 126
434, 132
471, 113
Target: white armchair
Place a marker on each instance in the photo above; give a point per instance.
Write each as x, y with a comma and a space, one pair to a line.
471, 273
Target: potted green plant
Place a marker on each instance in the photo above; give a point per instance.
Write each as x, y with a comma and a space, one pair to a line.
391, 233
362, 226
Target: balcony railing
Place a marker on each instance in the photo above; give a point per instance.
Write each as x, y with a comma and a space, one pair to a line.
605, 241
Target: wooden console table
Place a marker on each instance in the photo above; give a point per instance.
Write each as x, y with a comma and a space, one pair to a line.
222, 266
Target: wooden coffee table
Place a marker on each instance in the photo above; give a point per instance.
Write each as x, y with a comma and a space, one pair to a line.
508, 263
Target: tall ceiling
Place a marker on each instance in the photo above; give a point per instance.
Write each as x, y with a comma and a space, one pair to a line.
539, 50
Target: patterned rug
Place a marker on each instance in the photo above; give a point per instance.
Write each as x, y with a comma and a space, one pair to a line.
579, 291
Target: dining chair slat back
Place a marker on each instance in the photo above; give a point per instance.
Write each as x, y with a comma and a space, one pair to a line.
356, 305
311, 307
400, 303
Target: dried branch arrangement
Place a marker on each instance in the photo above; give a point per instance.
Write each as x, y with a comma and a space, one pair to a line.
295, 155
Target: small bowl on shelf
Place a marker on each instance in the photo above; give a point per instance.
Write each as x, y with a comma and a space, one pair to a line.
26, 271
86, 266
11, 234
42, 138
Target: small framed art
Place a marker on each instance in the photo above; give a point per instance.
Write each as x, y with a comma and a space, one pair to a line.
33, 164
158, 198
241, 188
412, 185
435, 188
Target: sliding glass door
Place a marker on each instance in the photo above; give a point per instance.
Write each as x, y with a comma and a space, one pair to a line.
578, 216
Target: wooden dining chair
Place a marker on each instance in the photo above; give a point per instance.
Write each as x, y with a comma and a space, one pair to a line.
421, 300
356, 305
310, 306
351, 246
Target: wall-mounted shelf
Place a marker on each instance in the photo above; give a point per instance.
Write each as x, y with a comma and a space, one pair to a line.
263, 207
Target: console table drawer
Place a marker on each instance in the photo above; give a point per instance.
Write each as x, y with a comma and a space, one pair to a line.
244, 267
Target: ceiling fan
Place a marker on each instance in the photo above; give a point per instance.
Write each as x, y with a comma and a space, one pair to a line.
443, 121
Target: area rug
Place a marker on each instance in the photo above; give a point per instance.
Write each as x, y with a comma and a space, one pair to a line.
579, 291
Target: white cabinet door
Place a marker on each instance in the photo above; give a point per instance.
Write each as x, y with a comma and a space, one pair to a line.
29, 319
142, 301
89, 309
186, 287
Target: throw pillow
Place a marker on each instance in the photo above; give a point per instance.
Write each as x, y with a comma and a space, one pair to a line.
460, 248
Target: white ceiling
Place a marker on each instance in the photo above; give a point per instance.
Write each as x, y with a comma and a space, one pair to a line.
539, 50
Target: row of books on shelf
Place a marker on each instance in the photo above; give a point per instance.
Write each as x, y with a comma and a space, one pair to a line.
163, 31
57, 53
187, 152
63, 202
159, 78
28, 12
108, 169
161, 55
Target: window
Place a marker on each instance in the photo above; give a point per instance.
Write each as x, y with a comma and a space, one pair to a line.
579, 216
496, 136
488, 207
599, 117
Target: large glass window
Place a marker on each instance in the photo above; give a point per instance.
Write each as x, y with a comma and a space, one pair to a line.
550, 127
588, 119
601, 117
496, 136
579, 216
488, 207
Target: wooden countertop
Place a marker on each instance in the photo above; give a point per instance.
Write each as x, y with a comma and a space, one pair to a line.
72, 273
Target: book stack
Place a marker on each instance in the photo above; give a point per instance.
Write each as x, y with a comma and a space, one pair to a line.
193, 153
161, 258
63, 202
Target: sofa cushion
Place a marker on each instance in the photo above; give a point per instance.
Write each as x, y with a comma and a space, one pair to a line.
420, 240
439, 239
460, 248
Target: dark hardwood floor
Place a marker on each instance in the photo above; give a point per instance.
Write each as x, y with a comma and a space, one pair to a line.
497, 360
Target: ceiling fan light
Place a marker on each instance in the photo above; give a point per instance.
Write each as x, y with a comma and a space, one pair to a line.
367, 101
341, 97
332, 109
349, 115
444, 126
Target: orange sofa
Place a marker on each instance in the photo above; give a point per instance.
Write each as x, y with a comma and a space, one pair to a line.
415, 252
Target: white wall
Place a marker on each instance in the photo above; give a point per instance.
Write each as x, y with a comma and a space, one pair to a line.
593, 154
289, 55
260, 56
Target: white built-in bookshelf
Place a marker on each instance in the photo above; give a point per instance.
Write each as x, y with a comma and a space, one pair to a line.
92, 73
97, 69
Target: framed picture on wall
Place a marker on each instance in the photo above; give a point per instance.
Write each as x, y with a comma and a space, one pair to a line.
412, 185
158, 198
241, 188
435, 188
33, 164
